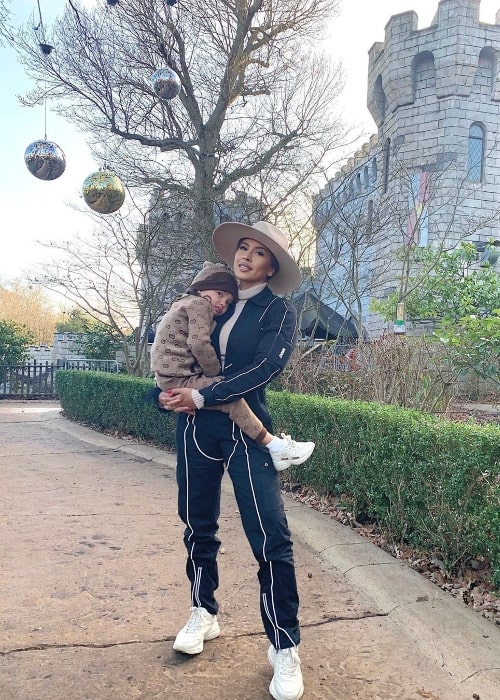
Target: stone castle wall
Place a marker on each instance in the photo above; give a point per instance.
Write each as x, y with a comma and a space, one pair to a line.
428, 90
426, 87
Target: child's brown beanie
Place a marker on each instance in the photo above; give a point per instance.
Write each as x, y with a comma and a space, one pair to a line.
214, 276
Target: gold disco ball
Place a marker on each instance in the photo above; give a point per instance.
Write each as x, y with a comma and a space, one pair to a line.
166, 83
45, 160
103, 192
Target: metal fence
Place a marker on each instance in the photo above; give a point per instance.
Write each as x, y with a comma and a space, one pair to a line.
94, 365
36, 380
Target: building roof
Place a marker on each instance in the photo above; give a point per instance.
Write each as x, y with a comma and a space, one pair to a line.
320, 321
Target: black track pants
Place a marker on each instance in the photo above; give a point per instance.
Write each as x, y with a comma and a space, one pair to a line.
205, 443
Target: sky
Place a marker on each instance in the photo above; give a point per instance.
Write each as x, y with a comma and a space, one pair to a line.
34, 210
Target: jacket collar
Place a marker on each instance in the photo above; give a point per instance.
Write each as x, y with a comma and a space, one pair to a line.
262, 298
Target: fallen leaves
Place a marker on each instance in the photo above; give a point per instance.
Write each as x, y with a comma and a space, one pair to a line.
471, 584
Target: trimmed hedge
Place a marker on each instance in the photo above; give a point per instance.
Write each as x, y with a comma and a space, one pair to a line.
427, 481
114, 402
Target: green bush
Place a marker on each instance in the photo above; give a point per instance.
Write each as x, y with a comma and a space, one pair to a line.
429, 482
114, 402
432, 483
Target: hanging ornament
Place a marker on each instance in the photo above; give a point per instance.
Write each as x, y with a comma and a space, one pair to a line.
103, 192
171, 2
45, 160
166, 83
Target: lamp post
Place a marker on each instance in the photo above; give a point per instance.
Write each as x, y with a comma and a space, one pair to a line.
399, 326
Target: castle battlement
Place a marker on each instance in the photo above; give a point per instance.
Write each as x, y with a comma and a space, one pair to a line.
432, 63
356, 165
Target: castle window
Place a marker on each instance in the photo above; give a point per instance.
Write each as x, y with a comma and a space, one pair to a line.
366, 176
369, 218
387, 158
424, 75
485, 69
374, 170
336, 243
379, 98
475, 159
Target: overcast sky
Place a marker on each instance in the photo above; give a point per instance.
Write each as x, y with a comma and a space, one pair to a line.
34, 210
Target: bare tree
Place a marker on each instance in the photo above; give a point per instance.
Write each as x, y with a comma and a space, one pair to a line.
5, 29
369, 233
255, 110
122, 276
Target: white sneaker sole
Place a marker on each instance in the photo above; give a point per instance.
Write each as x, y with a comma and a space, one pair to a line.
274, 693
284, 464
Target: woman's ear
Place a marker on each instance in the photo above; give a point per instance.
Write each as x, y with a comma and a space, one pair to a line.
272, 271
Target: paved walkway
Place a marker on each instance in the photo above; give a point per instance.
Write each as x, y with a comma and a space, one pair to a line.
93, 589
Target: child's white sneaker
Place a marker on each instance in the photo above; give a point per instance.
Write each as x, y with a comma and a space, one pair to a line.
292, 452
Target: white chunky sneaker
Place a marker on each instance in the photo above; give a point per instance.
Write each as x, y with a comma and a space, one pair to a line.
287, 681
292, 453
200, 627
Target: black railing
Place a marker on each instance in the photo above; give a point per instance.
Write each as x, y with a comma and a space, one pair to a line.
34, 380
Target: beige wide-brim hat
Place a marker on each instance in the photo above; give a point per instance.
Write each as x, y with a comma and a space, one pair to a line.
227, 235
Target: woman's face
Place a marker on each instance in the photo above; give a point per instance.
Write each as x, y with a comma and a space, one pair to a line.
252, 263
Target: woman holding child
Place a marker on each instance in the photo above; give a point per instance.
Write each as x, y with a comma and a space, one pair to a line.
253, 345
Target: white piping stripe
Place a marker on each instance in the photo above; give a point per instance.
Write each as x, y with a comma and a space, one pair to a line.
273, 301
256, 386
274, 618
254, 498
268, 615
264, 360
214, 459
196, 586
188, 524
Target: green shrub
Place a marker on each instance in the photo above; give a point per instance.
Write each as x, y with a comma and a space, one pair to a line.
114, 402
429, 482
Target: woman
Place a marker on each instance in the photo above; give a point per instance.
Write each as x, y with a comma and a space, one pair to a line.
254, 345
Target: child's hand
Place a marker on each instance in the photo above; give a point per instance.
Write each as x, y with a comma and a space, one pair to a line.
178, 400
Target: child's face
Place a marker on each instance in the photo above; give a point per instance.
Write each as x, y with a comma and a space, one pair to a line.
219, 300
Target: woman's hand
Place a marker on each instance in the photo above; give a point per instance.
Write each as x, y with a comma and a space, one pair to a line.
177, 400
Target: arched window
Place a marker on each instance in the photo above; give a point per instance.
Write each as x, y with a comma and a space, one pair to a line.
475, 157
366, 177
387, 158
369, 218
379, 98
485, 69
424, 75
336, 242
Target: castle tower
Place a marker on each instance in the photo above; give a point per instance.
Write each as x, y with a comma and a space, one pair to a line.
434, 94
431, 177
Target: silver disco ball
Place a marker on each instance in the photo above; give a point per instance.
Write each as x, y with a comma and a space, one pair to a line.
45, 160
166, 83
103, 192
